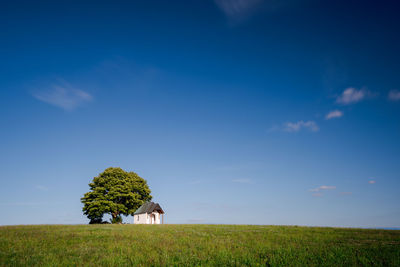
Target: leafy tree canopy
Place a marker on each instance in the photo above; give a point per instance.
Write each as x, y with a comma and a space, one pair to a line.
115, 192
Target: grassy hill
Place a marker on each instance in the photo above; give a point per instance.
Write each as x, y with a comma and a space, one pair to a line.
215, 245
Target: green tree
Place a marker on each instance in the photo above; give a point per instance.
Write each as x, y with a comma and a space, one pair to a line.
115, 192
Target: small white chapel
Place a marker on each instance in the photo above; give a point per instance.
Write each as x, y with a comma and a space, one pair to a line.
149, 213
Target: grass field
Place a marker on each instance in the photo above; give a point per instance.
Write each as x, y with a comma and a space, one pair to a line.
200, 245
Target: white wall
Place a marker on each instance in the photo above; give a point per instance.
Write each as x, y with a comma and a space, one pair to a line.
157, 217
145, 218
141, 219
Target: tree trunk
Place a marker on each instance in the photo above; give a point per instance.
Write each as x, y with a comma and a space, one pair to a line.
114, 216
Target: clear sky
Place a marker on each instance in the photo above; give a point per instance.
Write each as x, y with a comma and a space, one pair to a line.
234, 111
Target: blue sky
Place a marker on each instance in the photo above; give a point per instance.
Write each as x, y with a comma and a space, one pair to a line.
245, 112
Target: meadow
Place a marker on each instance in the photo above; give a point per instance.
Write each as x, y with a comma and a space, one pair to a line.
196, 245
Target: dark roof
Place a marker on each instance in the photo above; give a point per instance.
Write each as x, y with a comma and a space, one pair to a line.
149, 207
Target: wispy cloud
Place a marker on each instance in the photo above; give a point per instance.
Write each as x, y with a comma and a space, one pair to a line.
371, 181
317, 192
334, 114
298, 126
41, 188
242, 181
238, 9
323, 187
394, 95
64, 97
351, 95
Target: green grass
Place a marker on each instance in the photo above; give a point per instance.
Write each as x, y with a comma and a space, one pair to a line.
196, 245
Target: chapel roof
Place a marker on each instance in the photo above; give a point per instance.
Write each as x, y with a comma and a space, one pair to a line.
149, 207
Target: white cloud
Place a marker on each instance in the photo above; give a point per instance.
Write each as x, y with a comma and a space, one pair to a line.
242, 181
236, 9
63, 97
323, 187
351, 95
371, 181
334, 114
394, 95
297, 126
